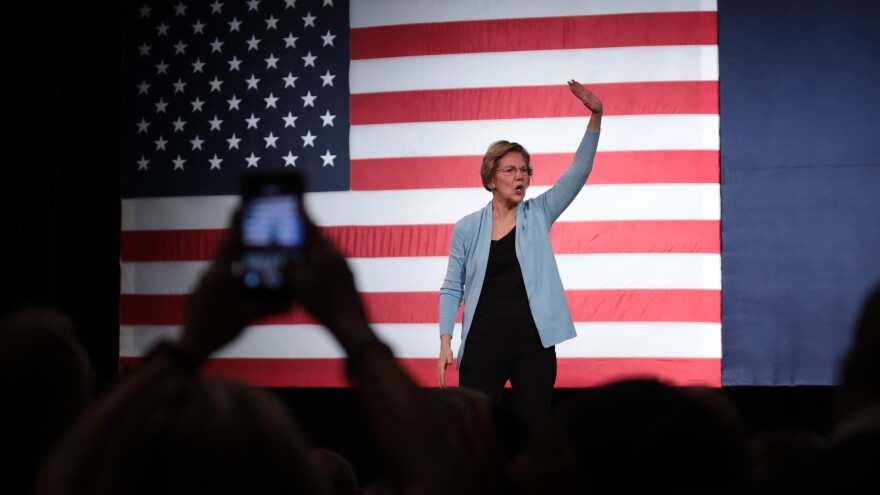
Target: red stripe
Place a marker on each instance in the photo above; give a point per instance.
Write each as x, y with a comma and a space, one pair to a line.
592, 372
643, 98
170, 245
388, 241
675, 305
654, 236
152, 309
411, 307
573, 372
610, 167
635, 236
549, 33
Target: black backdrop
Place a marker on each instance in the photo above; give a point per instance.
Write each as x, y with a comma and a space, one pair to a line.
60, 212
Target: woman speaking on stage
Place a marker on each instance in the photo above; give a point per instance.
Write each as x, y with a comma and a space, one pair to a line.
502, 265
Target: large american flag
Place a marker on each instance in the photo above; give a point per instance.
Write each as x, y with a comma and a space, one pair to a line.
386, 106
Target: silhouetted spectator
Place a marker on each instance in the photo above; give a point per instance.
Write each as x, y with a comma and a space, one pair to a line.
334, 471
472, 417
46, 380
849, 465
784, 461
635, 436
858, 398
165, 430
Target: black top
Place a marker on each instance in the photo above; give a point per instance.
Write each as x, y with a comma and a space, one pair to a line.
503, 312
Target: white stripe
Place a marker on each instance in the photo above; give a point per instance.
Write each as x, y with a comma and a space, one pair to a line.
425, 274
640, 271
578, 272
446, 206
178, 213
370, 13
645, 202
644, 339
551, 135
160, 278
535, 68
664, 340
434, 206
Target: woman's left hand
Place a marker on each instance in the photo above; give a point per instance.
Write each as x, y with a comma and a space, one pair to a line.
586, 96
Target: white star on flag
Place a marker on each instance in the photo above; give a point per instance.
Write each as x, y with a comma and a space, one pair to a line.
328, 159
308, 139
252, 160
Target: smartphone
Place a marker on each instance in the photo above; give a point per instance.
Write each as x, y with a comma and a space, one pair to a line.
273, 233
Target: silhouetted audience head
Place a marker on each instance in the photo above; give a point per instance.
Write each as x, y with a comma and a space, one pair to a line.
472, 417
182, 434
46, 381
637, 435
334, 471
785, 461
849, 464
860, 376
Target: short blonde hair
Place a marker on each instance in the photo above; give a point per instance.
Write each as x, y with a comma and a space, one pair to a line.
494, 153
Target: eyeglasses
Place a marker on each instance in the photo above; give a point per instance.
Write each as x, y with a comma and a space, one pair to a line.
513, 170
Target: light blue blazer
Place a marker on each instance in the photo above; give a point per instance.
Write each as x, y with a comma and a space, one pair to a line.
469, 255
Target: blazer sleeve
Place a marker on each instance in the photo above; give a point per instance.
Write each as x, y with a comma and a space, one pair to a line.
452, 291
557, 198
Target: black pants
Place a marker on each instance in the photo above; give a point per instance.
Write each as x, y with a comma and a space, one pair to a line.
487, 365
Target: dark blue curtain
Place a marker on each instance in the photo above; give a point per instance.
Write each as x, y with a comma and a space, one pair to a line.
800, 184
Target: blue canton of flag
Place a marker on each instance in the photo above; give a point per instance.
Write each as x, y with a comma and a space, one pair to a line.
213, 89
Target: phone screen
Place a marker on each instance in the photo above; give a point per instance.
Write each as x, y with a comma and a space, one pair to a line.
273, 236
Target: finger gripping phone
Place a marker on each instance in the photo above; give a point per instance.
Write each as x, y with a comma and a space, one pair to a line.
273, 234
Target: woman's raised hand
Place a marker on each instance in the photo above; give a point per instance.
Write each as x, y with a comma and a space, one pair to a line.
586, 96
